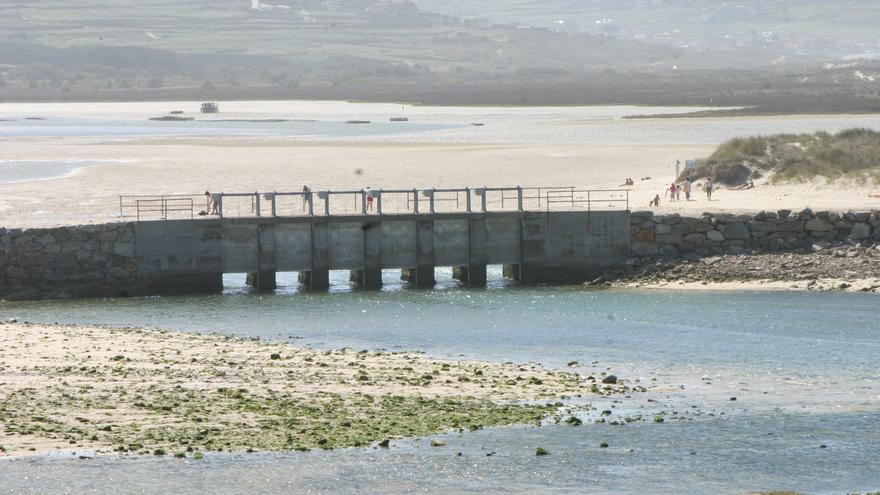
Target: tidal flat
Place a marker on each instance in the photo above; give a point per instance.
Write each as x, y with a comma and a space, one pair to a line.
156, 392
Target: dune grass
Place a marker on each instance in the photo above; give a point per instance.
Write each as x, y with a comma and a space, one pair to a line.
853, 153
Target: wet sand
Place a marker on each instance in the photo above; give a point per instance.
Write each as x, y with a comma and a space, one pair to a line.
151, 391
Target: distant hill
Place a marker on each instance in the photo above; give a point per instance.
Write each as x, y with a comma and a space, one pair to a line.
801, 28
398, 50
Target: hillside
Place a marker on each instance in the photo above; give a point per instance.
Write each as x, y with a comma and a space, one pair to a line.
59, 50
793, 28
853, 154
301, 42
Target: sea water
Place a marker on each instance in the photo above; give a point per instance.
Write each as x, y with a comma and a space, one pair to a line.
802, 367
30, 170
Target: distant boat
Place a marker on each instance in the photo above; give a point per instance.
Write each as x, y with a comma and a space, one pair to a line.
357, 122
177, 112
172, 118
399, 119
478, 124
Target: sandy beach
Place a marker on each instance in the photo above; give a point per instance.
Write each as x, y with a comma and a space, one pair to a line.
526, 147
94, 389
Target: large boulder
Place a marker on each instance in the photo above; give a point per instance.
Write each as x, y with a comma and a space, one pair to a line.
662, 229
819, 225
695, 238
860, 231
737, 231
715, 236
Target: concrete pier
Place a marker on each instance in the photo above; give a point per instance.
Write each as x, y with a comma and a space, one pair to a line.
555, 247
191, 256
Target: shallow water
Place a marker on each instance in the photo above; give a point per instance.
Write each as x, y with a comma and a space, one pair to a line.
719, 456
325, 121
802, 367
65, 126
29, 170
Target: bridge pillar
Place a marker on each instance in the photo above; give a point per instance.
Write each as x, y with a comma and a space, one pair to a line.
477, 255
319, 276
423, 274
371, 277
264, 278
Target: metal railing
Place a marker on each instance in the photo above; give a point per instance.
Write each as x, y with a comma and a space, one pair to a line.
162, 206
380, 202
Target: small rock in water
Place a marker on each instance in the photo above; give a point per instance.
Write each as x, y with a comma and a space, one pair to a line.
603, 445
540, 451
438, 443
733, 398
385, 443
275, 356
610, 379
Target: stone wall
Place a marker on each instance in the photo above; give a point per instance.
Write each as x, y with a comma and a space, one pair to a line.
64, 262
785, 230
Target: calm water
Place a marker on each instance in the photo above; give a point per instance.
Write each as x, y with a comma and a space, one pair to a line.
65, 126
803, 368
28, 170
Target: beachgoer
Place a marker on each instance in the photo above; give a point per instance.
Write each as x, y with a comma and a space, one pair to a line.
677, 168
656, 200
687, 189
673, 189
709, 188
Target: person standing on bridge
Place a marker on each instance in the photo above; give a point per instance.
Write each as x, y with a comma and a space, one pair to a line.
307, 196
213, 202
369, 194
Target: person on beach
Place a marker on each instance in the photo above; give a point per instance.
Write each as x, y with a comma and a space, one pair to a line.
656, 201
709, 186
687, 189
677, 168
673, 190
213, 202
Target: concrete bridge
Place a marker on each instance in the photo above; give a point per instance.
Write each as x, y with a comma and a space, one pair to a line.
539, 247
547, 235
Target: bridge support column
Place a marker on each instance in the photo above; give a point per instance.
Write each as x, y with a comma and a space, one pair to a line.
477, 255
423, 274
319, 276
370, 277
262, 281
264, 278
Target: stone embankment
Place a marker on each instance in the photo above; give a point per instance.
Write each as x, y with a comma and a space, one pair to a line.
64, 262
715, 234
806, 250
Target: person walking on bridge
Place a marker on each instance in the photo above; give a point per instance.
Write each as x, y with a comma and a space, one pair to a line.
307, 196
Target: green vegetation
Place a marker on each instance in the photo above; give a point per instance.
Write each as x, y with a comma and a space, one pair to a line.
852, 154
178, 394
